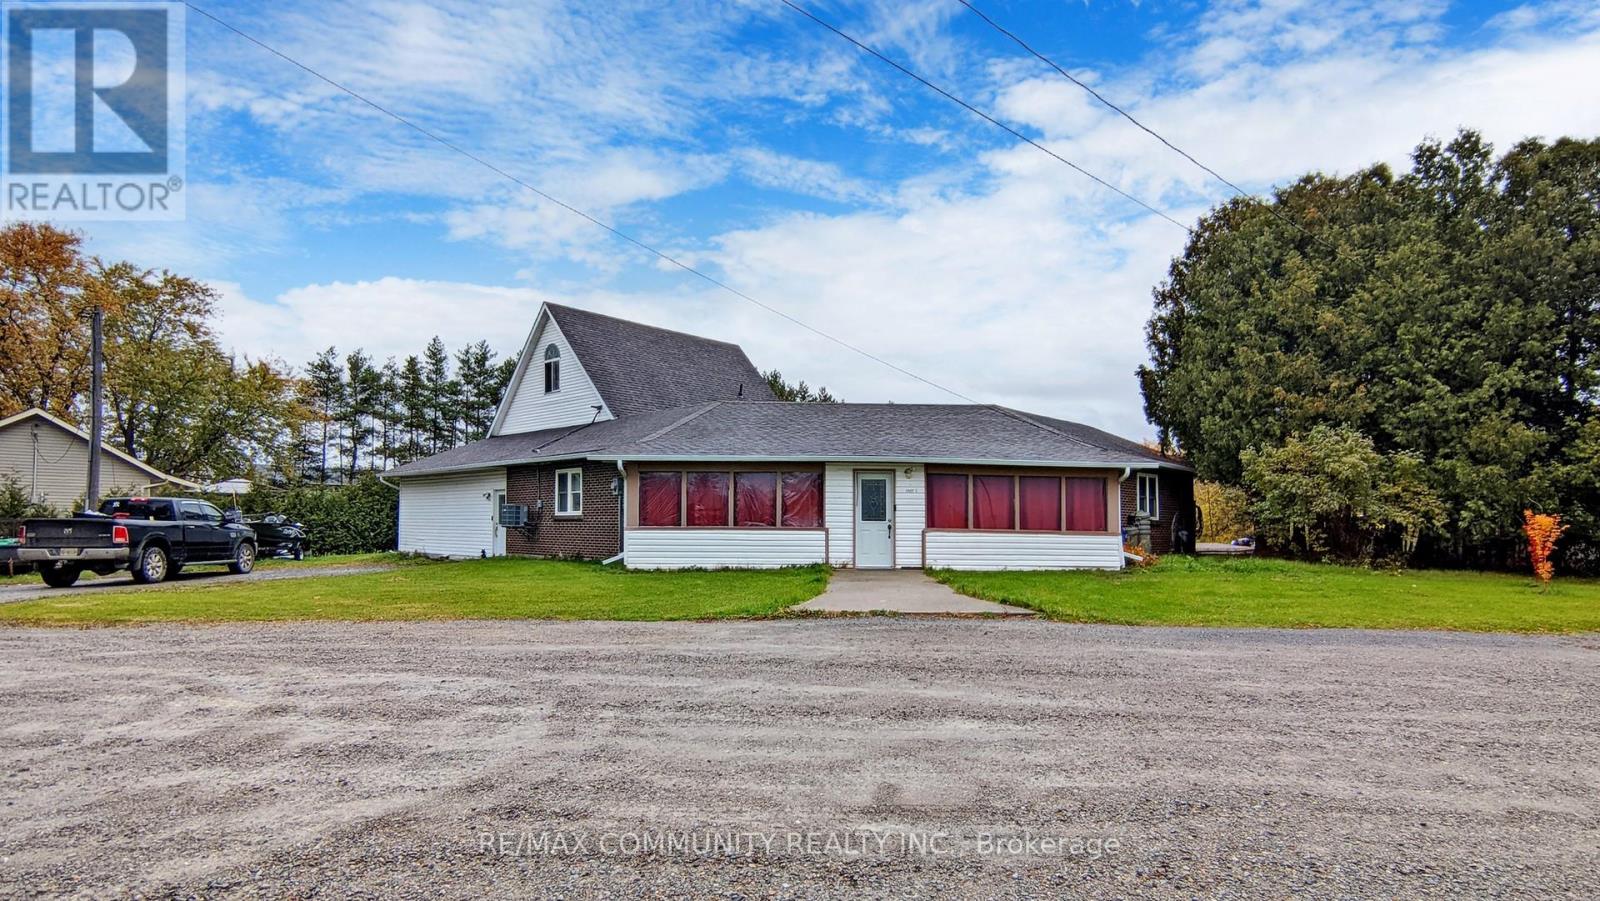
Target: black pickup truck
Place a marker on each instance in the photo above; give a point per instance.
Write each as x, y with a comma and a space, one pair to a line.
150, 537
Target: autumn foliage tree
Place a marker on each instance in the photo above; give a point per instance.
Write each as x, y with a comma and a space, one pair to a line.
173, 397
1542, 531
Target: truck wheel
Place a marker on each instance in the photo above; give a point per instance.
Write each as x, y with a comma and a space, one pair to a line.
60, 576
152, 566
244, 559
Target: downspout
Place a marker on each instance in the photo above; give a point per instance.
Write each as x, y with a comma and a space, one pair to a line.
1126, 557
622, 517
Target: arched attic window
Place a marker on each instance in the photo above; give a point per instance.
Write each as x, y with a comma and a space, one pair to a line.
552, 369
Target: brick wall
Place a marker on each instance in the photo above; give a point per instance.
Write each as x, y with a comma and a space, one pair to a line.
592, 535
1175, 496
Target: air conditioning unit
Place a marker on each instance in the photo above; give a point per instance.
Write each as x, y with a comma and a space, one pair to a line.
513, 516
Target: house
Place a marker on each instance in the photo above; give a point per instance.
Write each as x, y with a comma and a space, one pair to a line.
617, 439
49, 460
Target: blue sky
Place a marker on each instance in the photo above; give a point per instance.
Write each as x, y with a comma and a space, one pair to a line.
746, 140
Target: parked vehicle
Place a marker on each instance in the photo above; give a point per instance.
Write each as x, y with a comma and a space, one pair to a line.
151, 537
276, 536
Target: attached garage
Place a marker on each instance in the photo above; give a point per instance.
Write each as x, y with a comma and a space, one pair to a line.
453, 515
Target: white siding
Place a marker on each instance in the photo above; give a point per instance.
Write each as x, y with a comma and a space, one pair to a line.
1022, 550
910, 515
717, 548
531, 409
62, 465
839, 512
449, 515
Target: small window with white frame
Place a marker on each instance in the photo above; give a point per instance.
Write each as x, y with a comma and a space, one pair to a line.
552, 369
569, 492
1147, 497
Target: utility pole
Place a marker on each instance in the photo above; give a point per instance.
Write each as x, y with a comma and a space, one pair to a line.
91, 498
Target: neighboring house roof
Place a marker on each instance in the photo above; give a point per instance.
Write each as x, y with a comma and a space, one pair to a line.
777, 430
640, 368
156, 475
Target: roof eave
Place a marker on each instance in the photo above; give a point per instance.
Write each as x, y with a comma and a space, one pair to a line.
895, 458
498, 464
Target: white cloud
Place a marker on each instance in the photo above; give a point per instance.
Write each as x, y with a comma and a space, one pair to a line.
386, 317
1007, 277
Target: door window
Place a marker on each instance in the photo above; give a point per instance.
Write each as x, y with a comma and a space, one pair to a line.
874, 500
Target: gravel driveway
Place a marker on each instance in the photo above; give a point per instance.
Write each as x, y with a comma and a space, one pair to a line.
537, 759
32, 588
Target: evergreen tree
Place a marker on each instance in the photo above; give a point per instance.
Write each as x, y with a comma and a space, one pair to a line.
443, 397
799, 392
388, 413
325, 397
415, 409
361, 396
480, 389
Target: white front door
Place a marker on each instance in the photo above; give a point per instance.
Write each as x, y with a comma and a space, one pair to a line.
499, 530
874, 520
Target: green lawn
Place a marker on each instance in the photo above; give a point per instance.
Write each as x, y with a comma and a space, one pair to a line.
1214, 591
503, 588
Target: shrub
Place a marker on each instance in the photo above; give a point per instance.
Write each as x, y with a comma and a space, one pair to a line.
357, 518
1543, 530
1330, 493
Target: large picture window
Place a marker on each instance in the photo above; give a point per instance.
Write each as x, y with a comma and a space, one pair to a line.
993, 506
755, 499
706, 501
660, 498
1039, 506
1086, 505
947, 501
1029, 503
802, 500
708, 498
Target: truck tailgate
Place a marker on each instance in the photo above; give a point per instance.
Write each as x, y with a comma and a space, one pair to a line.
65, 533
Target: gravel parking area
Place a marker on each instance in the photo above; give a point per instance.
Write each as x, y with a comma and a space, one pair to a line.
537, 759
32, 588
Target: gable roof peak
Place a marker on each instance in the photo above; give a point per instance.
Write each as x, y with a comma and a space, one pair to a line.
640, 368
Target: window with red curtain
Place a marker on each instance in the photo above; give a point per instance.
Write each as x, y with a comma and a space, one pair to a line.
706, 501
1039, 503
992, 503
659, 496
1086, 505
755, 499
802, 500
947, 501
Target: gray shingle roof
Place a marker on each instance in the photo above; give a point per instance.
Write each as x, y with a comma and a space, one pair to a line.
776, 430
638, 368
970, 432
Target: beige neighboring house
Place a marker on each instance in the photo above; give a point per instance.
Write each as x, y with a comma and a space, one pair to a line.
49, 458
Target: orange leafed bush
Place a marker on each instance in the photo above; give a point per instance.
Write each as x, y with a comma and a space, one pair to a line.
1542, 529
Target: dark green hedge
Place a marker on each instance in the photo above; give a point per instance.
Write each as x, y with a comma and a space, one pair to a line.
340, 519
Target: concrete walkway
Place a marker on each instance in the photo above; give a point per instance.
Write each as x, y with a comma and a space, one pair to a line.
898, 591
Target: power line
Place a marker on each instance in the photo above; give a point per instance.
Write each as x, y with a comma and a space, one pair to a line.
1270, 209
1098, 96
978, 112
662, 255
